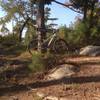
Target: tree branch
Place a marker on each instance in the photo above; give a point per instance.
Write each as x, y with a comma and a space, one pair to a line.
75, 10
68, 5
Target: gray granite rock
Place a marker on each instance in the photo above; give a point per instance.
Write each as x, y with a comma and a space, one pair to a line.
90, 51
65, 70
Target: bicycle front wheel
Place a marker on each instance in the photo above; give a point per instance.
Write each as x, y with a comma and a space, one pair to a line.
60, 46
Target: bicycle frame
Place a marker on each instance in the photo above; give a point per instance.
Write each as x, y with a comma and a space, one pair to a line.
50, 39
52, 43
48, 42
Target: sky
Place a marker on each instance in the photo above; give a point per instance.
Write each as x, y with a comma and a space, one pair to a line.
65, 16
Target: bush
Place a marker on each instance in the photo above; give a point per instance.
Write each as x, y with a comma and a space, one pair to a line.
10, 39
11, 45
37, 62
42, 62
76, 37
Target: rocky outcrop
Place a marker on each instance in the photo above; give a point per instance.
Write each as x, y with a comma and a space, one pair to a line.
65, 70
90, 51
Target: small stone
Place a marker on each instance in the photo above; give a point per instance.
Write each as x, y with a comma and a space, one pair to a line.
41, 95
51, 98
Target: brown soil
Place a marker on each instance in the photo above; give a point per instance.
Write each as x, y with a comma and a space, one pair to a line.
18, 84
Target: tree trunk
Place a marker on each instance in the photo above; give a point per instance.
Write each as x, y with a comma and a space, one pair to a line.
91, 14
41, 24
22, 28
85, 10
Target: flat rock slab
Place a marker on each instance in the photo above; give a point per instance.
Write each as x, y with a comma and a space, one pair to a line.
65, 70
90, 51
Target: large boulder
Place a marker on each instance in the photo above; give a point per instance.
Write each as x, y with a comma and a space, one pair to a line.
65, 70
90, 51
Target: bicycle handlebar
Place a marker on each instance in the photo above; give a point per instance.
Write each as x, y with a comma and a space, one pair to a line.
48, 30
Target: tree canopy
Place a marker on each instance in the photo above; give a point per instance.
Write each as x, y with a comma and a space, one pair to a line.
23, 14
83, 6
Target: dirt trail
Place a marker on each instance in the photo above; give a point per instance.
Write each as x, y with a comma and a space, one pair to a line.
19, 84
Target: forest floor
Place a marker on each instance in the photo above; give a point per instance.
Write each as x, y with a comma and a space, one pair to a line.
17, 83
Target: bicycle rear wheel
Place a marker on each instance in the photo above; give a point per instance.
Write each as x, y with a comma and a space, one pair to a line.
32, 46
60, 46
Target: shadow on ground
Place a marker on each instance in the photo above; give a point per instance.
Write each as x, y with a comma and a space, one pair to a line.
80, 80
22, 70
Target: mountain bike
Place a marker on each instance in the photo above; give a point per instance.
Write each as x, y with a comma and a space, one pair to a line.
53, 43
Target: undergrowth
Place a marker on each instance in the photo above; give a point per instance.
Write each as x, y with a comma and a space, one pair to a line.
42, 62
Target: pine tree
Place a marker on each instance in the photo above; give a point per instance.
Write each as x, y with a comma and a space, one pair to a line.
19, 11
84, 6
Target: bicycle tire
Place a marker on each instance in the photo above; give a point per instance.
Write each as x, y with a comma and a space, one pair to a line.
60, 46
32, 46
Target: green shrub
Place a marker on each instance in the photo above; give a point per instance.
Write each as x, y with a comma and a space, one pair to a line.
10, 39
37, 62
42, 62
77, 36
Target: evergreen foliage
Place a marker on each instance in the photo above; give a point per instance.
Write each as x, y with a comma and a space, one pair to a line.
17, 12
